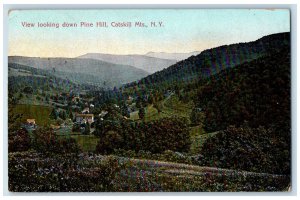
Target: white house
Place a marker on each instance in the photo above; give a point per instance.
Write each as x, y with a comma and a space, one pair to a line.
83, 118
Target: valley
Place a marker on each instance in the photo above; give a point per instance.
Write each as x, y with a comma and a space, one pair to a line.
216, 120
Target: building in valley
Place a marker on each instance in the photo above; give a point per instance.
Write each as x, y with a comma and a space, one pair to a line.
83, 118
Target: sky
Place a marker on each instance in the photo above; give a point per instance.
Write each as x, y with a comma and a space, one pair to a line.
183, 30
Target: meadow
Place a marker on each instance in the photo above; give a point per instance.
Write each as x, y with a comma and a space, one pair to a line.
38, 112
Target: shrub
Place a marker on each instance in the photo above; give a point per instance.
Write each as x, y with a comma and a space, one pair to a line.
142, 113
18, 140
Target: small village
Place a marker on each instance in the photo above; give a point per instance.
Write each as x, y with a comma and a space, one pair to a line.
78, 116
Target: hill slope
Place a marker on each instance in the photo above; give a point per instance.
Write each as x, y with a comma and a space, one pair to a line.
87, 71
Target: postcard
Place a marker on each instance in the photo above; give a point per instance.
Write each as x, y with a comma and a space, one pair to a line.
149, 100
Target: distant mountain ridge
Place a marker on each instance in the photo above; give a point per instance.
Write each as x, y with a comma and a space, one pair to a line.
172, 56
143, 62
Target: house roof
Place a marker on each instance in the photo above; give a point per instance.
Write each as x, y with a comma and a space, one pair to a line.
31, 121
84, 115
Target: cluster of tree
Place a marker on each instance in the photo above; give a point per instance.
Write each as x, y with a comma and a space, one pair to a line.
156, 136
62, 114
104, 96
251, 149
256, 91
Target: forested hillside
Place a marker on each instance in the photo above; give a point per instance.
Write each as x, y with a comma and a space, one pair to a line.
257, 92
212, 61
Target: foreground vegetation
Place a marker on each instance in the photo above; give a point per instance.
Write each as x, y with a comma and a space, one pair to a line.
34, 172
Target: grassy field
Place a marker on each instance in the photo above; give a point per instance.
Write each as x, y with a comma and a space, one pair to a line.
173, 106
170, 107
88, 143
151, 114
37, 112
